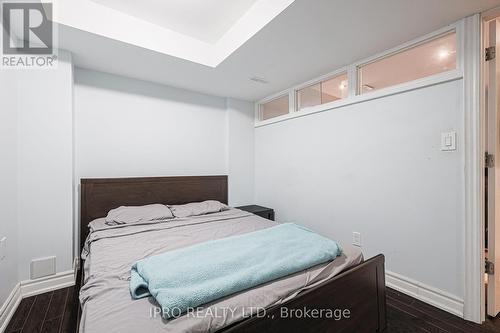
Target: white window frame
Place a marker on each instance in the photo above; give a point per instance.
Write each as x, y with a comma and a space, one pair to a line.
258, 106
317, 80
403, 48
352, 77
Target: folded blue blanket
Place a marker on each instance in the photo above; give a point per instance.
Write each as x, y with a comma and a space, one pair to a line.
198, 274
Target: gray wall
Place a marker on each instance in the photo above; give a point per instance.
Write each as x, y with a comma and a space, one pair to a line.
126, 127
45, 165
376, 167
8, 181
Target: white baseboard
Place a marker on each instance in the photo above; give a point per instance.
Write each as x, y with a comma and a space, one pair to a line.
9, 307
48, 283
433, 296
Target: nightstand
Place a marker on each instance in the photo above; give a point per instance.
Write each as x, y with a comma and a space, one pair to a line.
267, 213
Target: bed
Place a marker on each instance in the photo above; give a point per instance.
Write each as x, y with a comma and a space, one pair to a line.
347, 283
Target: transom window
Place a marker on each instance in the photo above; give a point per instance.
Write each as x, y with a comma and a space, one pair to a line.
326, 91
274, 108
428, 58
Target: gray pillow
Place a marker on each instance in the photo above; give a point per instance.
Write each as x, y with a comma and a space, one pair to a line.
136, 214
198, 208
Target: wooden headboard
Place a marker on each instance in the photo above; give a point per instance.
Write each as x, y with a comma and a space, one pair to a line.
100, 195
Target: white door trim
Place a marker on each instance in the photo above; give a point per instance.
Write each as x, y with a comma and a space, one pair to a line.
474, 170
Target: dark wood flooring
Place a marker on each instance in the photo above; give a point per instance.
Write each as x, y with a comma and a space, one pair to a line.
56, 312
408, 315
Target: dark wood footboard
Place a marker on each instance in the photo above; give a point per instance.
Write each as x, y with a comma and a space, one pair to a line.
356, 297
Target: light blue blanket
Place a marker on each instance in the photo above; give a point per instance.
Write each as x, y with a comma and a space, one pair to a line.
195, 275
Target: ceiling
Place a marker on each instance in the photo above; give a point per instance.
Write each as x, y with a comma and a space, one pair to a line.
307, 39
136, 23
206, 20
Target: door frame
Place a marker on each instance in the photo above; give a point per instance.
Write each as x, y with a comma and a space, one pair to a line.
474, 148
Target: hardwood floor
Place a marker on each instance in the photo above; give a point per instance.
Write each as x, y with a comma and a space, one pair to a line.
56, 312
408, 315
52, 312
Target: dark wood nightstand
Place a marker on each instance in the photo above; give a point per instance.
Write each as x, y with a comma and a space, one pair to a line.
267, 213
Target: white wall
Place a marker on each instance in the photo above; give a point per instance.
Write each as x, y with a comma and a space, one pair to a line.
240, 141
8, 181
108, 126
376, 168
126, 128
45, 165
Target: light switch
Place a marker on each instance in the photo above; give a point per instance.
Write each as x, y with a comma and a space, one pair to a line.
449, 141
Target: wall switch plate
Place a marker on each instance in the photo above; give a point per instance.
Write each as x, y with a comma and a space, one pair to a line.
43, 267
3, 248
449, 141
356, 238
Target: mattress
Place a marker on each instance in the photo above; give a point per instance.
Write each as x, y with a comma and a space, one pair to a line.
110, 251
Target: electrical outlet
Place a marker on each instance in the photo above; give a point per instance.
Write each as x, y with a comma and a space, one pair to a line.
356, 238
3, 248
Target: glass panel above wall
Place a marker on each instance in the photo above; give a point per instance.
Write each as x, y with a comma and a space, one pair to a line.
309, 96
425, 59
274, 108
326, 91
334, 89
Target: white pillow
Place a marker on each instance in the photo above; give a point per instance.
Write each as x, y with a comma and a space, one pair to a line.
135, 214
198, 208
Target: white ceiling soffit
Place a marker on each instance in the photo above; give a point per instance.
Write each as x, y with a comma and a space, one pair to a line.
202, 31
206, 20
308, 39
